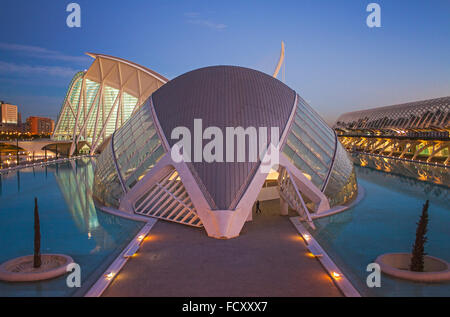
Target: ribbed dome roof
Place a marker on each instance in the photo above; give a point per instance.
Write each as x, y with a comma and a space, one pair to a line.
223, 96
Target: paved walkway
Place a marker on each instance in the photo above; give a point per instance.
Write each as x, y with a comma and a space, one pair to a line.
267, 259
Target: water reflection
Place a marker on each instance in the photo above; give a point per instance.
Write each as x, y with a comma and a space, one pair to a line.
75, 183
414, 179
70, 223
423, 172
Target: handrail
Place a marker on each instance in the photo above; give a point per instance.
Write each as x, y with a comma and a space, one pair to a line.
310, 221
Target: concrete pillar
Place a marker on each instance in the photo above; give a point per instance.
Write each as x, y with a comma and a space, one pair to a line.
250, 215
284, 207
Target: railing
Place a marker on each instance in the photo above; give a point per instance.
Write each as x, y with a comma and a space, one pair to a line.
168, 200
290, 193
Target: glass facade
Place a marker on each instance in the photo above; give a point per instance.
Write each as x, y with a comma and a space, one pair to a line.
135, 147
342, 187
65, 121
99, 111
310, 145
107, 186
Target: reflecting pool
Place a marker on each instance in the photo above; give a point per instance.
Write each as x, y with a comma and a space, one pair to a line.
385, 221
70, 224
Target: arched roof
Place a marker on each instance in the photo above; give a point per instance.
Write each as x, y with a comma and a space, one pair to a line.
100, 99
134, 79
412, 115
223, 96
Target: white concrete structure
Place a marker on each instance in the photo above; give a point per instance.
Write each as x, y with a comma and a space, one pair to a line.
100, 99
137, 174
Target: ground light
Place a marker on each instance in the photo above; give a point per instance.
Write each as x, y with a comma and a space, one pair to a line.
114, 269
109, 276
316, 251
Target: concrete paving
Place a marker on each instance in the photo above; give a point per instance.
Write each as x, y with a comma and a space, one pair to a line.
267, 259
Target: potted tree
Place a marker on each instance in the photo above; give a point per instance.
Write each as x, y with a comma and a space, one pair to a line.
418, 251
37, 237
416, 266
35, 267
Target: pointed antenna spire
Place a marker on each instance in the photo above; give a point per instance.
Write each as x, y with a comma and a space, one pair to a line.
280, 61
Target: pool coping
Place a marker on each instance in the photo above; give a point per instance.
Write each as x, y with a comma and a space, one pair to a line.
119, 262
40, 164
338, 209
120, 213
341, 281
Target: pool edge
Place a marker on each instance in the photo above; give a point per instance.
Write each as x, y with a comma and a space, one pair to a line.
103, 282
340, 280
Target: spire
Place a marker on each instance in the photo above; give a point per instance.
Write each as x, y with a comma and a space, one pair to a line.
280, 61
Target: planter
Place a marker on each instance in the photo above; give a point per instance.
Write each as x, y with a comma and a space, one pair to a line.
22, 270
397, 265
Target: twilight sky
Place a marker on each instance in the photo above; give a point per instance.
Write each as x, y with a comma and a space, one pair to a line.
333, 60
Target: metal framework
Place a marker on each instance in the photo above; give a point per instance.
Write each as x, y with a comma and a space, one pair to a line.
415, 149
417, 130
168, 200
432, 113
290, 193
102, 98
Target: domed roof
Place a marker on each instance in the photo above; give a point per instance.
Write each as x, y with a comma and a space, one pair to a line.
223, 96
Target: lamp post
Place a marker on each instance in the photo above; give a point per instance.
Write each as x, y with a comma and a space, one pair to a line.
17, 153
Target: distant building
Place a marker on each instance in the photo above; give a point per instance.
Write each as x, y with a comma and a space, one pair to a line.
8, 113
415, 130
102, 98
39, 125
9, 118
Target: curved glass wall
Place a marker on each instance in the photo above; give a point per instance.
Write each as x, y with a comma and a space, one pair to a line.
107, 187
64, 126
137, 146
310, 146
94, 111
342, 187
133, 150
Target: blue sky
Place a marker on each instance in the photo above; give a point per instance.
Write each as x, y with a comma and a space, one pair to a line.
333, 60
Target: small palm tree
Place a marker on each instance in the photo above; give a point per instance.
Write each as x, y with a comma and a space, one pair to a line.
37, 237
418, 252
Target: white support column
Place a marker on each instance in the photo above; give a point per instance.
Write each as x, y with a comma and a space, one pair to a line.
72, 147
91, 108
250, 216
284, 207
94, 146
100, 104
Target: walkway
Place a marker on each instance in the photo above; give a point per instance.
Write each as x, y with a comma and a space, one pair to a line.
267, 259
